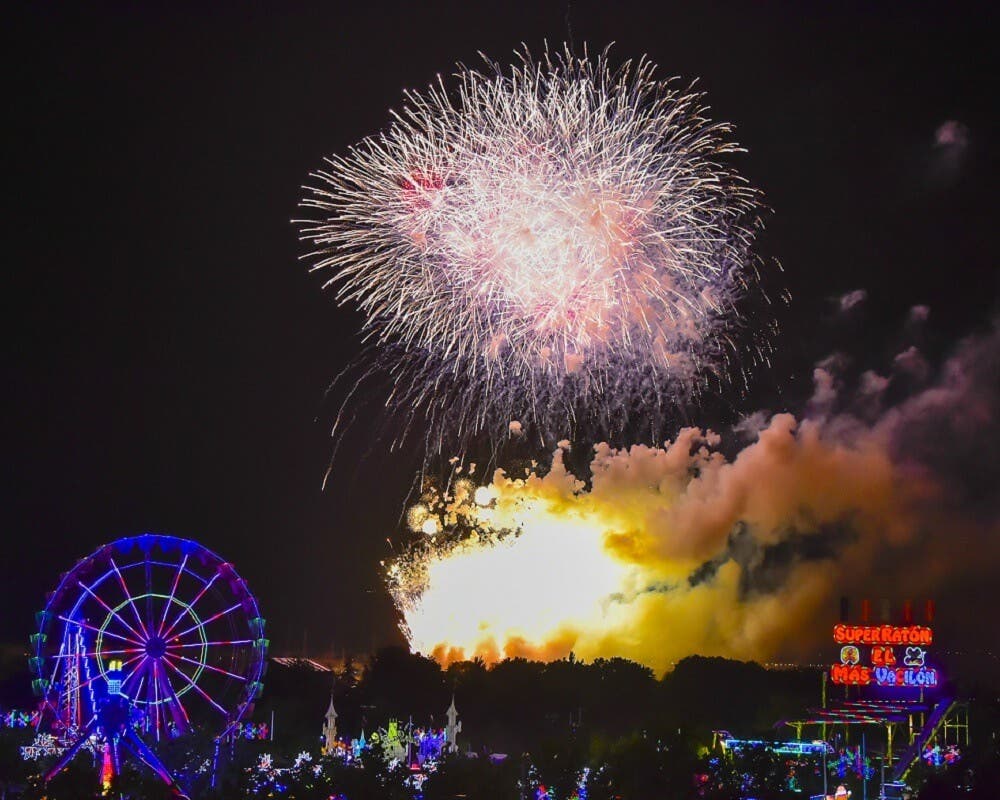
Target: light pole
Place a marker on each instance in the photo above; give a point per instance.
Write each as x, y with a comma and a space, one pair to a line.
825, 745
864, 769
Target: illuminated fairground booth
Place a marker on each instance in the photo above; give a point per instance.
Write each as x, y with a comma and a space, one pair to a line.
885, 704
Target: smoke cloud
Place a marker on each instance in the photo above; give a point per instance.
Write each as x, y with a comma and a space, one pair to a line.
664, 552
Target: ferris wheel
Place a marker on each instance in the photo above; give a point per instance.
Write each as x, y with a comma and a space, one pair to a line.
159, 624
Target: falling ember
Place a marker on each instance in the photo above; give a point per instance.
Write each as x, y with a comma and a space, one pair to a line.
559, 241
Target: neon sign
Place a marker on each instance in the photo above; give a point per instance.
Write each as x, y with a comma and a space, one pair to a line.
936, 756
881, 634
858, 675
851, 674
904, 676
896, 656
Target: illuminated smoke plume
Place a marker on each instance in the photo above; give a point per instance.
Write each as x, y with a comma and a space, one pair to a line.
672, 551
561, 244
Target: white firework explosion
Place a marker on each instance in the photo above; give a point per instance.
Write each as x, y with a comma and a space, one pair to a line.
560, 244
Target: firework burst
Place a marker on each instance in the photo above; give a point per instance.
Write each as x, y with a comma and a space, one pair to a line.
560, 244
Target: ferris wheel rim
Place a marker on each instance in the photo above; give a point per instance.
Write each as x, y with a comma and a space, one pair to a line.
131, 639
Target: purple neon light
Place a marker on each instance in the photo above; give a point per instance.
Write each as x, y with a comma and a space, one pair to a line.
173, 591
108, 608
169, 695
128, 596
175, 699
101, 653
231, 643
192, 604
138, 688
137, 671
209, 666
90, 627
212, 618
195, 686
149, 591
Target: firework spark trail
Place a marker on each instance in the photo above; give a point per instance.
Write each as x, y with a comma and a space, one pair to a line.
561, 244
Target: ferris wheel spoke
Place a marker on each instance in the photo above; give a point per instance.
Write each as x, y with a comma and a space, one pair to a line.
174, 696
142, 677
55, 671
209, 666
90, 627
194, 674
203, 623
170, 600
109, 609
195, 686
147, 693
102, 653
231, 643
149, 593
190, 606
167, 693
154, 685
93, 678
129, 597
137, 671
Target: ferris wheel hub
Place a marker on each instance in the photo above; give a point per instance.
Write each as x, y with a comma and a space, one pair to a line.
156, 647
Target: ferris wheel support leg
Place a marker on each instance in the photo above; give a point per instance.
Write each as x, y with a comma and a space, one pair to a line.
215, 761
114, 764
74, 748
138, 748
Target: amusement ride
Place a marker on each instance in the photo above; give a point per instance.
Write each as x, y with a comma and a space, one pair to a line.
148, 638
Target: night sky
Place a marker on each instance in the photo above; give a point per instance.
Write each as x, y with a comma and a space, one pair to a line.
167, 354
